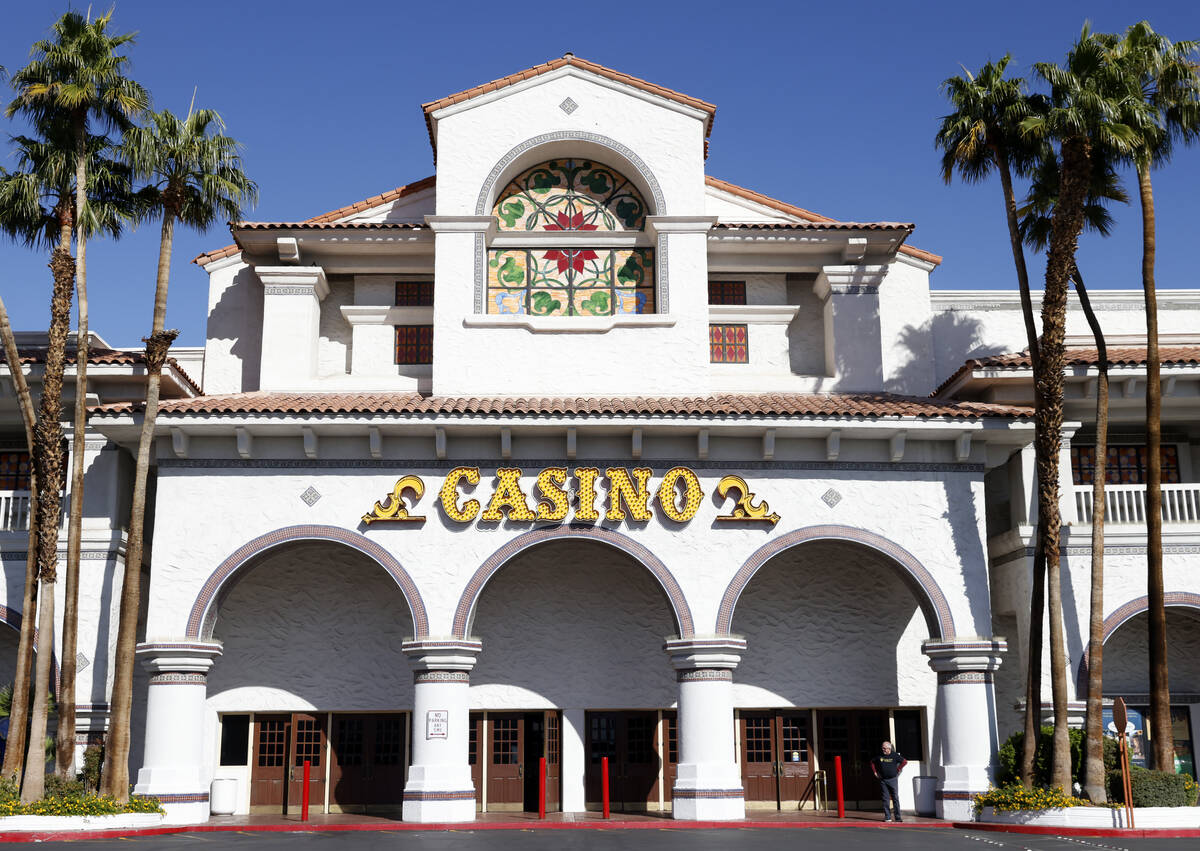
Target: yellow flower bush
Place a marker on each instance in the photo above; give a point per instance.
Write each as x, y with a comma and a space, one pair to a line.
68, 798
1014, 797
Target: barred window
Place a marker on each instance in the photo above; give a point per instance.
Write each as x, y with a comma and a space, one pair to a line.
414, 344
728, 344
726, 292
14, 471
414, 293
1126, 465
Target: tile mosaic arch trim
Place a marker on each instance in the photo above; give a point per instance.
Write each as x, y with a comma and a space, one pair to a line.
929, 595
204, 611
629, 156
1126, 612
470, 595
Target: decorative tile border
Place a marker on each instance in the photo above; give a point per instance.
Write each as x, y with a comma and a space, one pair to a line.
643, 170
441, 677
204, 610
1126, 612
929, 596
705, 794
179, 678
461, 795
956, 794
184, 798
953, 678
470, 595
696, 675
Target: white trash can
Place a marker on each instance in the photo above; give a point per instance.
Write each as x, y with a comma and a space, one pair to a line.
924, 795
222, 797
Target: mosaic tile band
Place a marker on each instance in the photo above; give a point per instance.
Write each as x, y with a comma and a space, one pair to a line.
953, 678
463, 795
441, 677
929, 595
705, 794
184, 798
704, 675
180, 678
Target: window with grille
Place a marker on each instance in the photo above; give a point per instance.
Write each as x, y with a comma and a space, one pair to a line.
640, 748
552, 743
506, 740
308, 741
272, 742
758, 739
414, 293
414, 344
603, 739
1126, 465
726, 292
348, 741
389, 741
795, 737
14, 471
728, 343
672, 739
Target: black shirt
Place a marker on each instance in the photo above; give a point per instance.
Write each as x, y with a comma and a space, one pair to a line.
887, 765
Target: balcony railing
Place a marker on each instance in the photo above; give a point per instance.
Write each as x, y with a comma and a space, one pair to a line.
14, 511
1127, 503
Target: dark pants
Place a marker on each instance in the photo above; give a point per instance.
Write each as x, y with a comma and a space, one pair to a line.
889, 788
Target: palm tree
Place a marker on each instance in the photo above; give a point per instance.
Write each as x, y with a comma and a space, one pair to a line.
1167, 80
1035, 230
80, 74
195, 178
1085, 95
983, 134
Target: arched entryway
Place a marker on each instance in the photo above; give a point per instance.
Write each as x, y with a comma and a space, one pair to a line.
572, 624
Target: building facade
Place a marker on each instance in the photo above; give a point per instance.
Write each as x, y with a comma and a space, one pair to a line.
572, 452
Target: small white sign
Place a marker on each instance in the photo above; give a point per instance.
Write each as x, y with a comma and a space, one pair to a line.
437, 723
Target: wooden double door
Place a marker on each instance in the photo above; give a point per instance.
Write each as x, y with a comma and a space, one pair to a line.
636, 763
505, 750
776, 756
362, 760
855, 735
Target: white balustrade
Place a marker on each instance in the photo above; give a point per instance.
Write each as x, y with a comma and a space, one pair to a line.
1127, 503
14, 511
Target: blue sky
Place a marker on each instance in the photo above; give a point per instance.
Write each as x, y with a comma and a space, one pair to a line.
829, 106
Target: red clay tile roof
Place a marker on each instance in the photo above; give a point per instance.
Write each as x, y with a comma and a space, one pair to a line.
333, 215
807, 215
331, 225
867, 405
555, 64
904, 226
1117, 356
104, 357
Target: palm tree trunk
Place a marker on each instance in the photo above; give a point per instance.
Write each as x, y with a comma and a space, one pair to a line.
14, 755
1066, 225
65, 739
1160, 690
48, 462
1094, 785
1037, 605
116, 764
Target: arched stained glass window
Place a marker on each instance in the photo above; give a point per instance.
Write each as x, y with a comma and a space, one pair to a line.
574, 278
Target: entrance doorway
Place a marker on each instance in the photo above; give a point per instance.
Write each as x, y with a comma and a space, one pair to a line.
364, 761
855, 736
505, 770
630, 741
776, 757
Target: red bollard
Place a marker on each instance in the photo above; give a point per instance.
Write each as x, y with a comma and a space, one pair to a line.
542, 787
304, 794
837, 774
604, 783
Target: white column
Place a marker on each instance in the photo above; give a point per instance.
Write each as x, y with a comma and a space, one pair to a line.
291, 324
708, 784
853, 338
965, 719
439, 787
174, 769
574, 761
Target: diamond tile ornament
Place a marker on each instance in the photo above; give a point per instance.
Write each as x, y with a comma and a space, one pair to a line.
568, 106
81, 662
831, 497
310, 496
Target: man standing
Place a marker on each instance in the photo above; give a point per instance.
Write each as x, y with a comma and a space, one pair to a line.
887, 767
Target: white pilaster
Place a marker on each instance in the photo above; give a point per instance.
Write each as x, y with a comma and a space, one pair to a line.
853, 338
708, 784
439, 787
291, 324
965, 719
173, 768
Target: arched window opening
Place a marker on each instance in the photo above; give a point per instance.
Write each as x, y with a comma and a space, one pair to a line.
590, 256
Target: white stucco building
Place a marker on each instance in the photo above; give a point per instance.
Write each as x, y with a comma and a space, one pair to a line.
573, 451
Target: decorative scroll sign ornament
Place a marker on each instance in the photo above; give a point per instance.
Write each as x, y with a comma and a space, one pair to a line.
745, 511
392, 508
679, 497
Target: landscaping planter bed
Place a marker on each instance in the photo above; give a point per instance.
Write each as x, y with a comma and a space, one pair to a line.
43, 824
1097, 817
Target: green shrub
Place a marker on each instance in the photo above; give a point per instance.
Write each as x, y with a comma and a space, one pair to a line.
1009, 769
1154, 788
93, 759
1014, 796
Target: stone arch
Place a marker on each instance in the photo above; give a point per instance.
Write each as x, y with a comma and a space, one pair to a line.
920, 581
470, 596
1122, 615
204, 611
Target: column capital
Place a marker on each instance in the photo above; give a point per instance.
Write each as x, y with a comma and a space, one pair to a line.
965, 654
858, 279
293, 280
711, 653
432, 655
178, 657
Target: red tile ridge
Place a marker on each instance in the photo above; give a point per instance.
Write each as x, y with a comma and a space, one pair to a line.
800, 212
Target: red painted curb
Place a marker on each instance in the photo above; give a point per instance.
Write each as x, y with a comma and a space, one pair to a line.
299, 827
1049, 830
